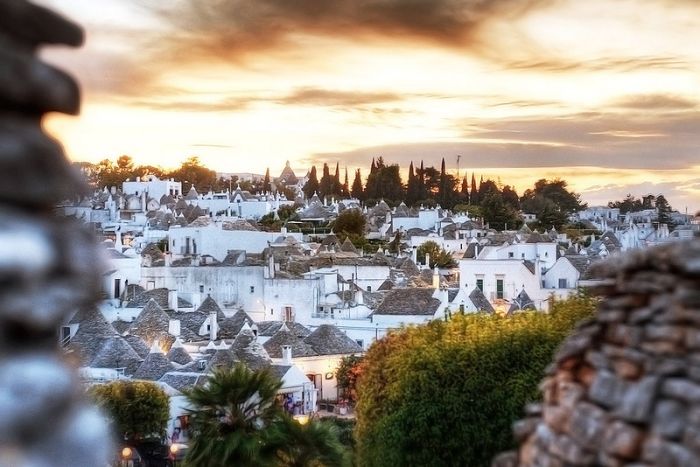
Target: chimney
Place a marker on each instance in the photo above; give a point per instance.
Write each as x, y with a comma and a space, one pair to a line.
436, 278
283, 230
286, 354
168, 257
174, 327
414, 255
271, 266
172, 299
427, 261
213, 326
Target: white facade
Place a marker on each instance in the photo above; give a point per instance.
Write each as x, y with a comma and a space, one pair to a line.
217, 242
153, 186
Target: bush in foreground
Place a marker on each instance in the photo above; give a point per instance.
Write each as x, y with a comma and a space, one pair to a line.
446, 393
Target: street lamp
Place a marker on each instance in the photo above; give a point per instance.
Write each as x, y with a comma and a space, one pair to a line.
173, 452
302, 419
126, 455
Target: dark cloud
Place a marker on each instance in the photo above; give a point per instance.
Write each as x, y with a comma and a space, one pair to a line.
345, 100
329, 97
654, 102
552, 64
231, 29
679, 194
610, 140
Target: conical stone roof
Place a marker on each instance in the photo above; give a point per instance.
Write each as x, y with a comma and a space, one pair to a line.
329, 340
152, 325
154, 366
92, 329
230, 327
178, 354
284, 336
116, 352
138, 345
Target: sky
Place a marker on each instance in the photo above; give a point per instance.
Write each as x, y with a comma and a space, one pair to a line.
604, 94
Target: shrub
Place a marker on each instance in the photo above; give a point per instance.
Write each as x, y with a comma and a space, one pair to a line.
446, 393
137, 409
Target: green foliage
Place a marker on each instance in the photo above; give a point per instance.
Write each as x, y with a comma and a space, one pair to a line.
192, 172
384, 182
313, 444
350, 222
438, 256
349, 370
137, 409
446, 393
235, 420
552, 202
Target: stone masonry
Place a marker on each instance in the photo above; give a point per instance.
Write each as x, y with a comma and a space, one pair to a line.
624, 388
49, 267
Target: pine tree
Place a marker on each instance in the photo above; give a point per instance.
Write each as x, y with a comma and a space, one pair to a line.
356, 190
311, 185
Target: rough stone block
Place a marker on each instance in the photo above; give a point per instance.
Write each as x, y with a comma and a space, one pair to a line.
668, 333
682, 390
669, 419
659, 452
588, 424
638, 400
557, 418
607, 389
624, 335
622, 439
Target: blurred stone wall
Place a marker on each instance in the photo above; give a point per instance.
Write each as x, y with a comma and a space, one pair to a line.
49, 267
624, 388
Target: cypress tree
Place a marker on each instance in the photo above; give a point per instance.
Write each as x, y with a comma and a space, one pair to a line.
326, 183
346, 186
311, 185
266, 181
336, 187
356, 190
412, 187
474, 195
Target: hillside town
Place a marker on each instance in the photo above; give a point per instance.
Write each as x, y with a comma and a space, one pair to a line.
196, 281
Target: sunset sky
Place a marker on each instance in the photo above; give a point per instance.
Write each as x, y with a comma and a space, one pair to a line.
602, 93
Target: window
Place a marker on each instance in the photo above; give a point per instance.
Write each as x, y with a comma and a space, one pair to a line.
288, 313
563, 283
360, 342
369, 288
120, 372
117, 288
499, 288
252, 289
65, 335
201, 289
522, 255
480, 284
510, 254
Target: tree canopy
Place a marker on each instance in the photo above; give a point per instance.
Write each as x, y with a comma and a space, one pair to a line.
137, 409
235, 420
446, 393
438, 256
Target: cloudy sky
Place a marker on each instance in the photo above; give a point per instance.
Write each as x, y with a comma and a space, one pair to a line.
602, 93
